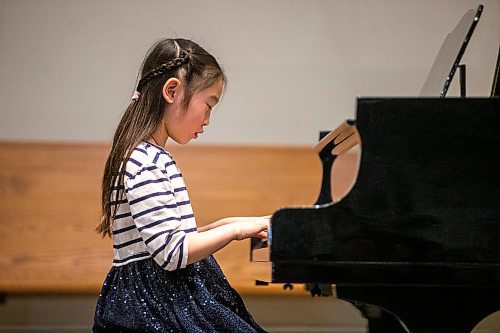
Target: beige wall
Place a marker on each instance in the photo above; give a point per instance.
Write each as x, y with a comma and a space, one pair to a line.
68, 67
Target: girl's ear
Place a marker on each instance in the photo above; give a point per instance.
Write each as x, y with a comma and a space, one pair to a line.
170, 90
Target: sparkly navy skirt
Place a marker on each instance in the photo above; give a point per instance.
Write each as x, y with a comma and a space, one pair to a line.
143, 297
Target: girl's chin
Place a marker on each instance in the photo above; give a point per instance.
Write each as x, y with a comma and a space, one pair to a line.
182, 142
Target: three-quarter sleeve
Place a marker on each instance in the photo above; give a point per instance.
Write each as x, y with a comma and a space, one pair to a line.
156, 215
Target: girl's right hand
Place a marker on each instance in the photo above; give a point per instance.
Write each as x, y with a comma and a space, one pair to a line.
218, 234
247, 227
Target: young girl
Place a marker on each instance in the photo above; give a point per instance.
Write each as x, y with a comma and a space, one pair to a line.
164, 278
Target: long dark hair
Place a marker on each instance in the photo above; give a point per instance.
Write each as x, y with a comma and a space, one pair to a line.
168, 58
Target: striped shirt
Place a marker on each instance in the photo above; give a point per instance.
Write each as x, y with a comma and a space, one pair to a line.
154, 213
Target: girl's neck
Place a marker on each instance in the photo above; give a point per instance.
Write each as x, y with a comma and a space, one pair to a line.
160, 137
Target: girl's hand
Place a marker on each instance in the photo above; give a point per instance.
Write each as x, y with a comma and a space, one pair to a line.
204, 243
246, 227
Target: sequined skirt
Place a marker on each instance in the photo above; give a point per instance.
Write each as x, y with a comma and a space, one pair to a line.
143, 297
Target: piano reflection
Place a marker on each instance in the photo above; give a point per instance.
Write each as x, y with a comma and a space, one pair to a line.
415, 244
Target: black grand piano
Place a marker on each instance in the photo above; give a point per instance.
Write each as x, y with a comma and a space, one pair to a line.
415, 244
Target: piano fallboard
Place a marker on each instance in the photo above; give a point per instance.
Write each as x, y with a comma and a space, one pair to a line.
384, 273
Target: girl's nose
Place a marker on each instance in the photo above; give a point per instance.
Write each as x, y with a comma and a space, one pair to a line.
206, 121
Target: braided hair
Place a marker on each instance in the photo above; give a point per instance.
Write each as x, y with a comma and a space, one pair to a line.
183, 59
163, 68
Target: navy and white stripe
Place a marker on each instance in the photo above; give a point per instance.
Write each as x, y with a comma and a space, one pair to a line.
154, 213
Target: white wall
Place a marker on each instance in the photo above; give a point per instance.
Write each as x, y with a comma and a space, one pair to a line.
68, 67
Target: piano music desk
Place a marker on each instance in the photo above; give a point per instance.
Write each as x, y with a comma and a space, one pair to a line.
50, 206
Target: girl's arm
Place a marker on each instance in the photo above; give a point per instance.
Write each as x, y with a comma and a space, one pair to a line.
204, 244
228, 220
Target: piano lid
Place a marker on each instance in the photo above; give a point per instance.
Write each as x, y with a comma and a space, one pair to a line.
449, 56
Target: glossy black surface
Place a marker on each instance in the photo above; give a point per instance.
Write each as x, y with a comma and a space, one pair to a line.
422, 219
450, 54
327, 159
427, 193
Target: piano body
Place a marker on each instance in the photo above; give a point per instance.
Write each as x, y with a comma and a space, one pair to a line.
415, 244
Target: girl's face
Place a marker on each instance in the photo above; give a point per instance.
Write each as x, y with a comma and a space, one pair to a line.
183, 125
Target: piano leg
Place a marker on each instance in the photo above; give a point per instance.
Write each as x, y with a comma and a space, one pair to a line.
423, 309
379, 320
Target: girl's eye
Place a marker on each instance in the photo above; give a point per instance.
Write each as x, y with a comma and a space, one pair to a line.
209, 107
